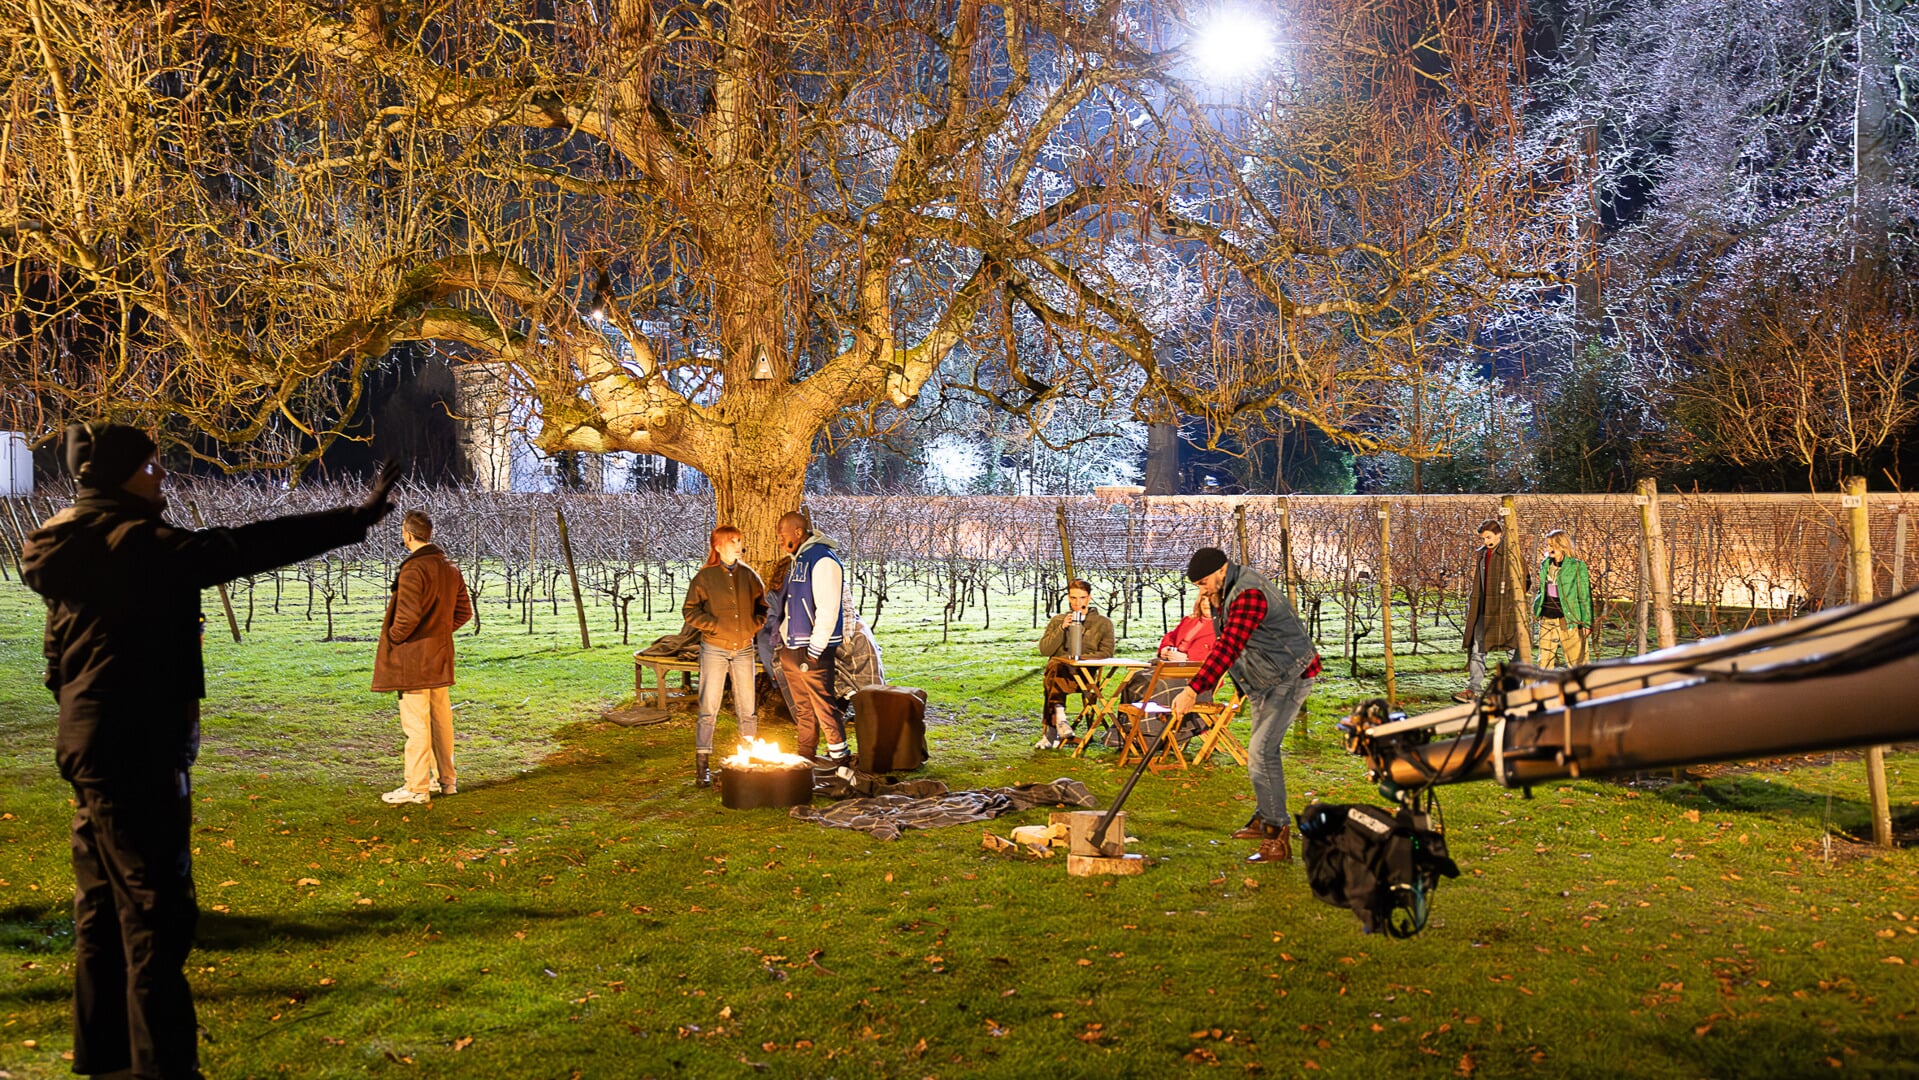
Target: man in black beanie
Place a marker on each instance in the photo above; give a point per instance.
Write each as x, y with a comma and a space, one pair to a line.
122, 589
1260, 639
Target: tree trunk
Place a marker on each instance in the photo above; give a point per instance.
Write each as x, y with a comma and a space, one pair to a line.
1162, 459
1871, 164
752, 490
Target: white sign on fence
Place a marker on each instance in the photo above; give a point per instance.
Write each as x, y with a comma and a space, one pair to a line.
16, 465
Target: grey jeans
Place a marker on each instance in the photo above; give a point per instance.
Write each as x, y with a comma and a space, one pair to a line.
1476, 660
1272, 713
715, 665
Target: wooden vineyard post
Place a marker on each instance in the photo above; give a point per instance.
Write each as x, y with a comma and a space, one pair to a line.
1900, 524
1286, 553
572, 575
532, 560
1065, 539
1658, 566
16, 545
1516, 567
1239, 532
1641, 595
1386, 597
1854, 503
233, 624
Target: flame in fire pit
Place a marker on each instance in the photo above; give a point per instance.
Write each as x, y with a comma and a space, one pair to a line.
760, 754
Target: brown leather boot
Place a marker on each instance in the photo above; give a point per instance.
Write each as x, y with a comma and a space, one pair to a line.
1254, 829
1275, 847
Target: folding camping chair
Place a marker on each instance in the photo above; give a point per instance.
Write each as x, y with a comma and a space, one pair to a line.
1219, 732
1136, 745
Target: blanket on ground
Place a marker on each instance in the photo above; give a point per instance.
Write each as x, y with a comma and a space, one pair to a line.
886, 809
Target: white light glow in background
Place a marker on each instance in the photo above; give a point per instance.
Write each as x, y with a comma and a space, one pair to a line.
1233, 44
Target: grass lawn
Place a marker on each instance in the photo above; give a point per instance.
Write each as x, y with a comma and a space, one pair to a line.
580, 909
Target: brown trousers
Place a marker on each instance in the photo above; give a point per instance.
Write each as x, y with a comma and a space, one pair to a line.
815, 710
1055, 684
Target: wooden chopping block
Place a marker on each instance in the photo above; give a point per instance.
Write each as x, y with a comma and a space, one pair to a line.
1091, 865
1081, 824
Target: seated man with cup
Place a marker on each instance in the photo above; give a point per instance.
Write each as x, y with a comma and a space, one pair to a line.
1078, 633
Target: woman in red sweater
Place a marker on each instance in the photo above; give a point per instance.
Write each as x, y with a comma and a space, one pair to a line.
1192, 639
1187, 643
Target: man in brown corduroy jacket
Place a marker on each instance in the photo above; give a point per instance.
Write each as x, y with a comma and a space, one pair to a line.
415, 658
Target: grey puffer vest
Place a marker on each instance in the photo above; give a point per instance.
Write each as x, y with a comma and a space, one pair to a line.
1280, 650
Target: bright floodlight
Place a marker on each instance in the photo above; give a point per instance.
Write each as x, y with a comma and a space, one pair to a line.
1232, 45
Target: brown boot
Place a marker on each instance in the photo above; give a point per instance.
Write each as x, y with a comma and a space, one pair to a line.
1275, 847
1254, 829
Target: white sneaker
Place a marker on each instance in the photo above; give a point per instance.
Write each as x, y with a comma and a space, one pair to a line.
402, 797
1048, 741
449, 789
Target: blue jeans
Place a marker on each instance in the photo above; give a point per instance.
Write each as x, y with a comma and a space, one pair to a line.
715, 665
1272, 713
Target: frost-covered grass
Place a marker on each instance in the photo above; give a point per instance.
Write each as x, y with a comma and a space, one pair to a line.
579, 908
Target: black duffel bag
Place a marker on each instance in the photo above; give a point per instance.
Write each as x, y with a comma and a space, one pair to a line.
1382, 864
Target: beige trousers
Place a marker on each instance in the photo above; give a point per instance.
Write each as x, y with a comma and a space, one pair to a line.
1557, 635
426, 716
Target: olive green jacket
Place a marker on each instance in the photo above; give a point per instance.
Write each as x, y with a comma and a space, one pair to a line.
1095, 636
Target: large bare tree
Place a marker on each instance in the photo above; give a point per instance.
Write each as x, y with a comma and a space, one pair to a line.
709, 230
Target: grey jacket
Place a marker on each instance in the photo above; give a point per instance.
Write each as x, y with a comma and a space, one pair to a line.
1279, 650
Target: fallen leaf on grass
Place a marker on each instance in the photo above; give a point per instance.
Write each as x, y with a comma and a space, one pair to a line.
307, 881
462, 1043
1466, 1065
994, 1029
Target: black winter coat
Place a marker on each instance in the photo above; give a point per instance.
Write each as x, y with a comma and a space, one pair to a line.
122, 646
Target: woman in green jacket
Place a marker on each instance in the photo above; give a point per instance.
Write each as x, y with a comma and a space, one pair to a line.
1564, 603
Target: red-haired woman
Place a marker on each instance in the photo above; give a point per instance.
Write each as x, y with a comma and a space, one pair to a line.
725, 602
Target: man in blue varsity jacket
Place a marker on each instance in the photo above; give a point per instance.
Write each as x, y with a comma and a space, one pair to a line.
810, 634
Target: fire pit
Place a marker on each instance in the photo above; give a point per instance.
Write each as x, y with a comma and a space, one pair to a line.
761, 774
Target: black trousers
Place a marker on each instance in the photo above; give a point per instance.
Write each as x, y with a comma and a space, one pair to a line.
815, 710
134, 913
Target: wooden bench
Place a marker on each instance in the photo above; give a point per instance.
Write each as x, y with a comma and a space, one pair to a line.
661, 666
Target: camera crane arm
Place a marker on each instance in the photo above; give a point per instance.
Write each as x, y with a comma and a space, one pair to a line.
1840, 678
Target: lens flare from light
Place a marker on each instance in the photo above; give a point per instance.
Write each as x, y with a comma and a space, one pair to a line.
1232, 45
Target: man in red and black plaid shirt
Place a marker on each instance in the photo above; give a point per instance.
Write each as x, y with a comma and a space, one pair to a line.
1261, 641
